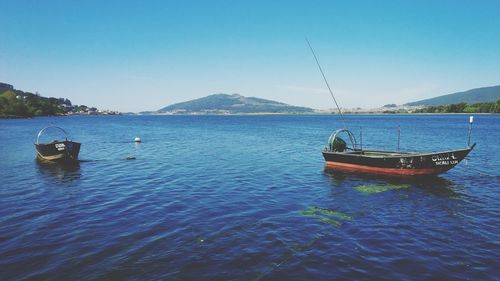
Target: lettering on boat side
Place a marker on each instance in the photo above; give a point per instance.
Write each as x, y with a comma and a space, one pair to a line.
445, 159
60, 146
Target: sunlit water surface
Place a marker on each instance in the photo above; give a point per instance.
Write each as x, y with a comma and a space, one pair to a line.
245, 198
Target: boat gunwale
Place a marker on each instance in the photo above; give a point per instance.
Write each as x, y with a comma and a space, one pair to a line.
357, 153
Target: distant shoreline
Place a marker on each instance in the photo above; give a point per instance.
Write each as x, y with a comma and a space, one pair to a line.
252, 114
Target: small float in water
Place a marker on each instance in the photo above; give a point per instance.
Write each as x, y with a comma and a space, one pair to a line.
57, 150
340, 157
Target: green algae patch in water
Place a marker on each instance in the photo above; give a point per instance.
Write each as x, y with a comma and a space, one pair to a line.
370, 189
330, 221
311, 211
338, 215
326, 215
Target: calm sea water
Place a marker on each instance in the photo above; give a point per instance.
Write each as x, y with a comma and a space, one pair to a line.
245, 198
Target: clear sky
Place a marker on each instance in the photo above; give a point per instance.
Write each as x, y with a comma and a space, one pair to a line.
143, 55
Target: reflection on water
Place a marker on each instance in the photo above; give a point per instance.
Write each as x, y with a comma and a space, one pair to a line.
433, 184
61, 172
242, 197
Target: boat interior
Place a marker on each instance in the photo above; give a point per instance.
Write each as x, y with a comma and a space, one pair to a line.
377, 153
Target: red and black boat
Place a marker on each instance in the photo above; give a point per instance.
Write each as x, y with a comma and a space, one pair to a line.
57, 150
339, 157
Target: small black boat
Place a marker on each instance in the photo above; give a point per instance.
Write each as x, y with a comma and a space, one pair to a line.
339, 157
60, 151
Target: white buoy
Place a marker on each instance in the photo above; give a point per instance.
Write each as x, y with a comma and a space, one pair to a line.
137, 139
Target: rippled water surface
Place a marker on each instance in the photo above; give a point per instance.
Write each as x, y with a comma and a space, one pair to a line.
245, 198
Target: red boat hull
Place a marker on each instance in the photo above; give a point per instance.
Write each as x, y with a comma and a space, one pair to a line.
384, 171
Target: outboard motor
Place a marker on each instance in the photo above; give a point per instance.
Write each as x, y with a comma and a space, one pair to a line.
337, 145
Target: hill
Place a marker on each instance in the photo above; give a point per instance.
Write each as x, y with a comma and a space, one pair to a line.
17, 104
478, 95
232, 104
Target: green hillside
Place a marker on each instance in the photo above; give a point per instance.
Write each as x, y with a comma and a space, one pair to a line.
232, 104
19, 104
478, 95
11, 107
15, 103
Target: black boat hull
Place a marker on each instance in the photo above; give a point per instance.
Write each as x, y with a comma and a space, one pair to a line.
64, 151
395, 163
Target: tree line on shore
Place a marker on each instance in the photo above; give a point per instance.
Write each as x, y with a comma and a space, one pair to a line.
15, 104
18, 104
483, 107
28, 105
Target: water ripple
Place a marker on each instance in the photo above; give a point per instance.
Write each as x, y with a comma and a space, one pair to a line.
245, 198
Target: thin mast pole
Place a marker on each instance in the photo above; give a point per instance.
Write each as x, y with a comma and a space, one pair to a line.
471, 120
399, 136
327, 85
361, 137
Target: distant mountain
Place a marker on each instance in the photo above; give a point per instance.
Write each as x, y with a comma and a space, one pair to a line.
485, 94
232, 104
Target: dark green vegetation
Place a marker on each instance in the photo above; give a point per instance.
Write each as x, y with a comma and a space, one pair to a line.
326, 215
369, 189
473, 96
232, 104
18, 104
15, 103
483, 107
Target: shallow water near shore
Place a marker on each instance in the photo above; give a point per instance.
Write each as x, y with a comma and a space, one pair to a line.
246, 198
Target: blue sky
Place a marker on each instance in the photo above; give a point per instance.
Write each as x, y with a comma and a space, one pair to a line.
143, 55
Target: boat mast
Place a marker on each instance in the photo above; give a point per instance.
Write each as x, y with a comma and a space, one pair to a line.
327, 85
471, 120
399, 136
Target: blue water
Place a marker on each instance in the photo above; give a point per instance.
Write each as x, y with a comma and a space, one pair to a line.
246, 198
